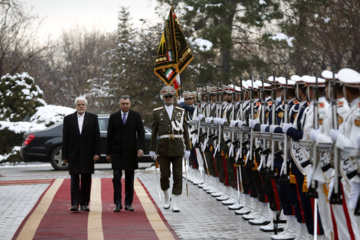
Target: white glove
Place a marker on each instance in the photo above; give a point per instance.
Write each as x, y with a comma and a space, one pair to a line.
153, 155
194, 121
334, 133
314, 133
201, 117
263, 127
221, 121
272, 128
187, 154
208, 119
241, 123
286, 126
215, 120
252, 123
232, 123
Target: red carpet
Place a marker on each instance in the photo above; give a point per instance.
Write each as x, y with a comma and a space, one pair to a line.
51, 218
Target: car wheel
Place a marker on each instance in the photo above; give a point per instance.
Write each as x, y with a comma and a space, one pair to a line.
56, 159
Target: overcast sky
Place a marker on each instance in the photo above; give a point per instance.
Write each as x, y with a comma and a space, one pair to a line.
65, 14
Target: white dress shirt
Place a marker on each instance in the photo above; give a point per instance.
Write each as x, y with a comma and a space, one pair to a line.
80, 121
169, 110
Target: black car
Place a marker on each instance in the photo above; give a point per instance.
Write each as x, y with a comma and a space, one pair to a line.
45, 145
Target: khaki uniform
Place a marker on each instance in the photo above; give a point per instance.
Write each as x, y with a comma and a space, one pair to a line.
170, 146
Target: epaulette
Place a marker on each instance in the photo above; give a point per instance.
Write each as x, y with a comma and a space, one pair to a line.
157, 109
179, 108
295, 109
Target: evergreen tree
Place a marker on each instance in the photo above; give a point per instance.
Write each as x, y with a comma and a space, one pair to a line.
131, 67
324, 34
19, 97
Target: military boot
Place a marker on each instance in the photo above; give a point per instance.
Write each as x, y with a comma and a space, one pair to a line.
273, 215
303, 233
263, 219
239, 204
249, 204
255, 212
290, 232
166, 204
175, 203
233, 197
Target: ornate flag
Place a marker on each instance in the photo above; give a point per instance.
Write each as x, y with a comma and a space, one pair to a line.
174, 53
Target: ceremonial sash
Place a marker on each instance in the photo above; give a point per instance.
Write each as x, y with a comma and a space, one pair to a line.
300, 155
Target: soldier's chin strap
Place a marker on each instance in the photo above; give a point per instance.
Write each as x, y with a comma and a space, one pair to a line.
176, 125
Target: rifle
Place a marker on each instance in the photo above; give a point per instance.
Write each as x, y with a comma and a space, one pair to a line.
272, 172
250, 161
312, 192
217, 139
284, 177
207, 132
240, 158
336, 197
262, 118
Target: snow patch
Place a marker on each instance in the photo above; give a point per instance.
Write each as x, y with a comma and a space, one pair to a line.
282, 36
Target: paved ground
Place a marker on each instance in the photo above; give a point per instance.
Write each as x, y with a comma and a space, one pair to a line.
201, 216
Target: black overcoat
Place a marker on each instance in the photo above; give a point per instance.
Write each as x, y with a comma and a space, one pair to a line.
77, 148
123, 141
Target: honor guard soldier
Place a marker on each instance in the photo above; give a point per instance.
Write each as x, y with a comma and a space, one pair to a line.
169, 123
347, 140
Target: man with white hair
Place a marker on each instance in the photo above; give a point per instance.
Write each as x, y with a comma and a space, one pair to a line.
81, 149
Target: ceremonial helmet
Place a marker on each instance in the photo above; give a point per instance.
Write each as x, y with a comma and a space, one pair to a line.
167, 91
349, 77
213, 90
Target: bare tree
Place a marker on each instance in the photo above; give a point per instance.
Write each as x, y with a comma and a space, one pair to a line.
18, 42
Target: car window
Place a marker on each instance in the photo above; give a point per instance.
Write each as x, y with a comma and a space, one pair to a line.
103, 122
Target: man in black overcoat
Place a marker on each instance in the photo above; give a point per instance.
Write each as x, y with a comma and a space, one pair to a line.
125, 143
81, 148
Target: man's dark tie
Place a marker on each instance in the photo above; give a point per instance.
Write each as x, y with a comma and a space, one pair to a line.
124, 118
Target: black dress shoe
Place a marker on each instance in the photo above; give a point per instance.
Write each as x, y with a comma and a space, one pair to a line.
74, 208
117, 208
129, 208
85, 208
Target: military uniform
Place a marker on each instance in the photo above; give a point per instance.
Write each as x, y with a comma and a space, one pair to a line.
348, 137
173, 134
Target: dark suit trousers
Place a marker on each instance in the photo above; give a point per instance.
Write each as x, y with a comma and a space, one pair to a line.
129, 186
80, 194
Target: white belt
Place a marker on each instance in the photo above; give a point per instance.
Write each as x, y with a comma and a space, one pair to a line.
171, 136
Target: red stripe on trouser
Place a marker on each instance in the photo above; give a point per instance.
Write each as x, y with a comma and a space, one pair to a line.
276, 194
236, 176
347, 217
312, 201
195, 160
225, 171
301, 208
266, 200
336, 234
216, 172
